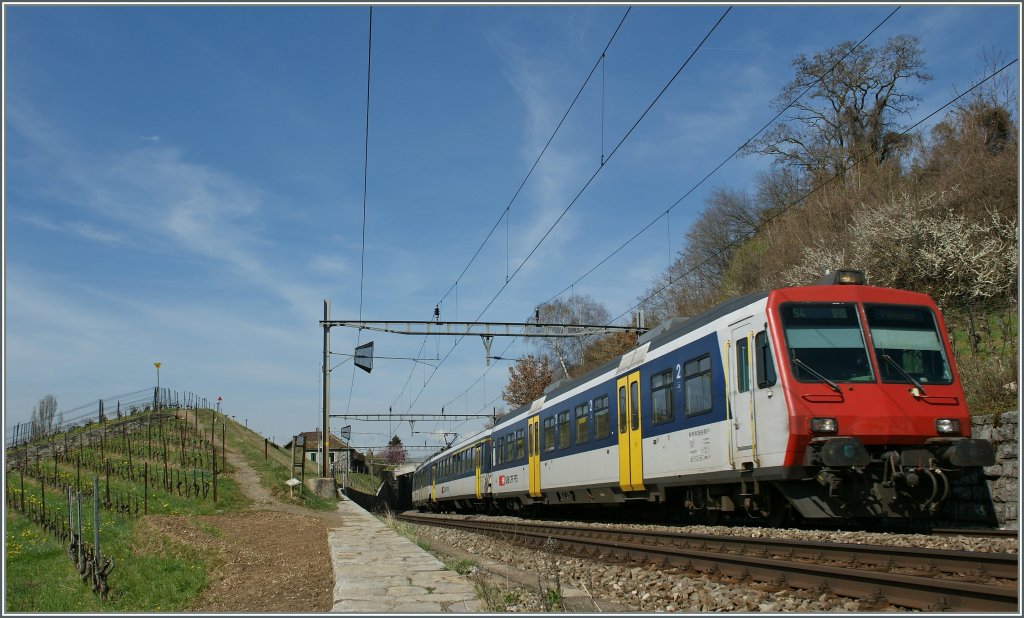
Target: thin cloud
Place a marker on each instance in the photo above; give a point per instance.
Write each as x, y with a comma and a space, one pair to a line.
156, 190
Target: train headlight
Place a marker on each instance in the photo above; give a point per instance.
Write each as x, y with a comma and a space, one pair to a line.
947, 426
824, 425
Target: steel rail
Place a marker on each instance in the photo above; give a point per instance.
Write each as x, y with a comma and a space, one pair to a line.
915, 591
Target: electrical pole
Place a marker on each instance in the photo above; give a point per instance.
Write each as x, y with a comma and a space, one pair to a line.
327, 385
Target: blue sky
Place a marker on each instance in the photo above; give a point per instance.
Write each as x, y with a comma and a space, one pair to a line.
185, 184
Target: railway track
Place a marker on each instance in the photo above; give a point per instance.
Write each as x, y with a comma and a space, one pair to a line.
925, 579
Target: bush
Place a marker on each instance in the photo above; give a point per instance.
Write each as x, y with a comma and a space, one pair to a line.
990, 383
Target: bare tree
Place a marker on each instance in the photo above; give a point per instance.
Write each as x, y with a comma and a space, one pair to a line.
43, 416
849, 113
576, 309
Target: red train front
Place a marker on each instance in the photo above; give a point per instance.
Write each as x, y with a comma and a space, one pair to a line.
876, 412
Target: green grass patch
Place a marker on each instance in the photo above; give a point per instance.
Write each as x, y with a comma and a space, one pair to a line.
459, 565
40, 576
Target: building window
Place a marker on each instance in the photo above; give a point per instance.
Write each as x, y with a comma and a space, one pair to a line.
582, 432
602, 426
697, 385
661, 397
564, 439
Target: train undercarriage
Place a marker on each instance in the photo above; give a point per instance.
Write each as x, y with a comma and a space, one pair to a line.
841, 480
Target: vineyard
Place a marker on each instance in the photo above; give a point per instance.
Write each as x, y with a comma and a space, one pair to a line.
83, 487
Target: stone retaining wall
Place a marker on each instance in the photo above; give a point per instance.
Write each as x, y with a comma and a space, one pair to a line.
990, 495
1003, 479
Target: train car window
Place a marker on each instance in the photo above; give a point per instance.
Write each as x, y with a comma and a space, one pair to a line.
765, 363
582, 431
743, 365
623, 412
826, 343
906, 343
661, 397
564, 439
602, 424
697, 385
634, 413
548, 438
499, 451
520, 446
510, 447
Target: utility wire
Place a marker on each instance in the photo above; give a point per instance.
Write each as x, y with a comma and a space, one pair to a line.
724, 161
580, 193
691, 190
824, 184
366, 167
506, 212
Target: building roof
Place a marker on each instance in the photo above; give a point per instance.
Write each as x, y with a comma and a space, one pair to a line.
311, 441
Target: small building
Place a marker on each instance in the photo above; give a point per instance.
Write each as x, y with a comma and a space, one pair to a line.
309, 442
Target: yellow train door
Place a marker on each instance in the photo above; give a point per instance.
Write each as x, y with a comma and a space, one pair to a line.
433, 483
533, 454
631, 462
476, 463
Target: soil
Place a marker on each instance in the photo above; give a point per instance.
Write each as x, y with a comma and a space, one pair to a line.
272, 557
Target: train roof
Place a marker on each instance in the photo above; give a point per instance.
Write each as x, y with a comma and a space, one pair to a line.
667, 331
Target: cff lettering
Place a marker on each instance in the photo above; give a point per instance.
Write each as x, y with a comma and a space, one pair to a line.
507, 479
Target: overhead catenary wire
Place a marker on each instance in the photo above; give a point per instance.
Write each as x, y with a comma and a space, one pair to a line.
787, 207
714, 170
667, 212
821, 186
506, 213
618, 145
366, 168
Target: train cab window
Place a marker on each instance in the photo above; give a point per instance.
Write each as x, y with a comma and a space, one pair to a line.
764, 361
697, 385
520, 445
602, 424
564, 439
743, 365
548, 439
907, 344
661, 397
826, 343
582, 432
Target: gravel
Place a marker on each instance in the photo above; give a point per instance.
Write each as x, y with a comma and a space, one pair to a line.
649, 588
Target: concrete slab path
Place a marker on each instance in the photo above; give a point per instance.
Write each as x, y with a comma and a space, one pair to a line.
376, 570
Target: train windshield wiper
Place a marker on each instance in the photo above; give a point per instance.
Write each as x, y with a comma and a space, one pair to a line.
904, 373
814, 373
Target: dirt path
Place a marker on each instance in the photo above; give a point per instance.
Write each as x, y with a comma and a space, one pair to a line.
270, 558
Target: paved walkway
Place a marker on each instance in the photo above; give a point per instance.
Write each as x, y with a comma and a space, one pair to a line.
376, 570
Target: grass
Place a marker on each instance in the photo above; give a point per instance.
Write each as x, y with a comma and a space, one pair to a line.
461, 566
151, 573
40, 577
275, 468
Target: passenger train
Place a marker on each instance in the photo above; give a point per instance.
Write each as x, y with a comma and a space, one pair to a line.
837, 400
